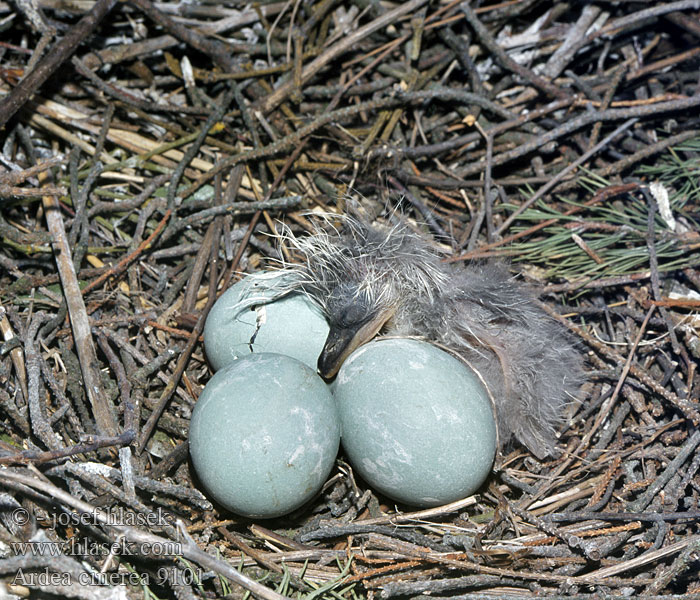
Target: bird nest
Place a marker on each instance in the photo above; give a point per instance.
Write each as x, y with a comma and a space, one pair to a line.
150, 152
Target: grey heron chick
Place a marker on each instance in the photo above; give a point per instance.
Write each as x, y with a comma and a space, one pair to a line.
369, 279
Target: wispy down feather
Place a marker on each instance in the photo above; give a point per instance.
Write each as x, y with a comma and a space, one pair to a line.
356, 270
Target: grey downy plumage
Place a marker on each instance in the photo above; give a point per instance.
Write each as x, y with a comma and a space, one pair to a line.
369, 279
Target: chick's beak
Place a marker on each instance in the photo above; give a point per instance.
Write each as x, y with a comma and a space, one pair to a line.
342, 341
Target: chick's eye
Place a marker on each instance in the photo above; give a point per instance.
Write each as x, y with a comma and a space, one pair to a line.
352, 314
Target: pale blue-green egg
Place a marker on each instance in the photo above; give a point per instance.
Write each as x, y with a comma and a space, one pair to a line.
416, 422
264, 435
242, 323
